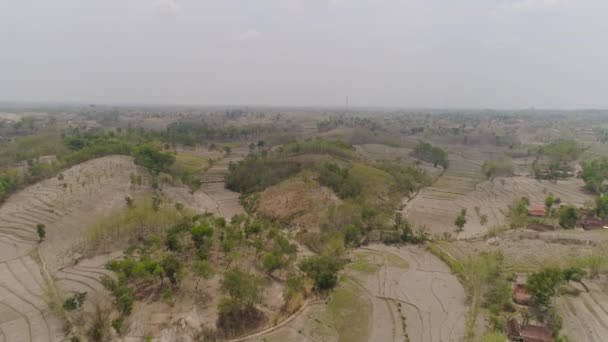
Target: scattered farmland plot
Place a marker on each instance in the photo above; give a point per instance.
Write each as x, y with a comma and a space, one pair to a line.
403, 290
462, 187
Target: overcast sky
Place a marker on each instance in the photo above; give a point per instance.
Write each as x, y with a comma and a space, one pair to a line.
406, 53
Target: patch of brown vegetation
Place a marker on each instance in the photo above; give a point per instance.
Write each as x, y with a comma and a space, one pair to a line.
298, 201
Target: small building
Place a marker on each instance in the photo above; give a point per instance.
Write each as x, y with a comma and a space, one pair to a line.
513, 330
593, 222
528, 332
537, 210
520, 295
535, 333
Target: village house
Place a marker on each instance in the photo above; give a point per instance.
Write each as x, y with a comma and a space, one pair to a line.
528, 332
592, 222
537, 210
520, 295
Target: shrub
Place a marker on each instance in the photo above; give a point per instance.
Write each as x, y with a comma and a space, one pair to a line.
74, 302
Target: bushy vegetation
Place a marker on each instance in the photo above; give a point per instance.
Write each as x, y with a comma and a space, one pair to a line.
339, 180
152, 159
257, 172
237, 311
161, 255
518, 212
323, 270
562, 150
498, 167
568, 215
31, 147
75, 301
431, 154
75, 148
595, 173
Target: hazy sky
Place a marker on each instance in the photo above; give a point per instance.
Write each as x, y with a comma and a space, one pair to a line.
411, 53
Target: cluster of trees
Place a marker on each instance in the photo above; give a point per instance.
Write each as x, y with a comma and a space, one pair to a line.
595, 173
80, 147
431, 154
339, 180
487, 285
406, 233
562, 151
259, 171
153, 159
498, 167
335, 122
408, 179
543, 286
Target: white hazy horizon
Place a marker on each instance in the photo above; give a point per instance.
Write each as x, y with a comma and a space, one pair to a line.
503, 54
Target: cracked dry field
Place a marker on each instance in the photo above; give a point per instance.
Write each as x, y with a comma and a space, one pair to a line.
387, 294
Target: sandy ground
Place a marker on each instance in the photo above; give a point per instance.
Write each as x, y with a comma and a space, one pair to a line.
91, 189
397, 287
585, 317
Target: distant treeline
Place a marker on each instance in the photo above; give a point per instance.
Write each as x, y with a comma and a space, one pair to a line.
191, 133
76, 148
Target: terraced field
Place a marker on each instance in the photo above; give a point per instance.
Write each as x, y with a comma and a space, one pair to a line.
404, 291
226, 202
436, 206
64, 205
585, 316
463, 187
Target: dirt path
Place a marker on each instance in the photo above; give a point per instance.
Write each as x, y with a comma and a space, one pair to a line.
403, 286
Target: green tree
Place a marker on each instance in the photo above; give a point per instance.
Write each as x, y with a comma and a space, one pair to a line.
172, 268
549, 203
41, 230
152, 159
203, 270
323, 270
244, 289
567, 217
601, 206
271, 262
542, 285
461, 220
201, 235
575, 274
